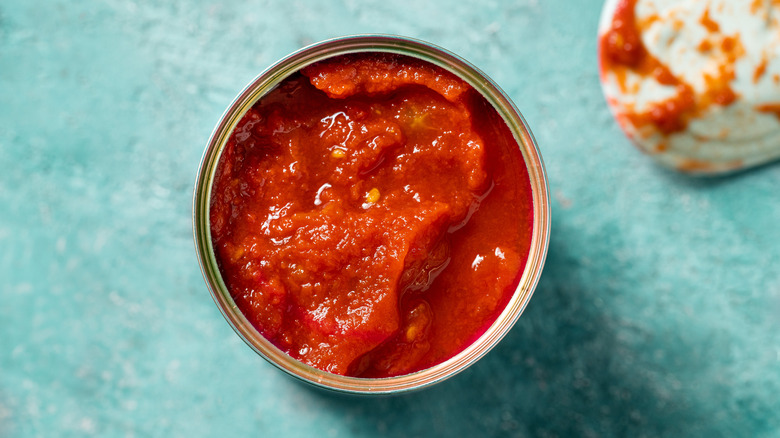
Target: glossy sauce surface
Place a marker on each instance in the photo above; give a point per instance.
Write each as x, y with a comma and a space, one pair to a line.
372, 215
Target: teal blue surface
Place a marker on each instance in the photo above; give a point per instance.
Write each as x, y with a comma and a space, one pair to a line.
658, 313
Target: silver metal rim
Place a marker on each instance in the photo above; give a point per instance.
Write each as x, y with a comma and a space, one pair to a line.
265, 82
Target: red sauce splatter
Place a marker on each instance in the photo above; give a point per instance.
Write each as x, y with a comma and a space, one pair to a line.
691, 165
372, 215
731, 45
760, 70
773, 108
718, 88
669, 115
622, 43
708, 23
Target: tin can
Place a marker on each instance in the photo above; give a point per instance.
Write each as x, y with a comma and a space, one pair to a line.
263, 84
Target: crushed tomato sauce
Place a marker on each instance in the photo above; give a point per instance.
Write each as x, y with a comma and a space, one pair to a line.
372, 215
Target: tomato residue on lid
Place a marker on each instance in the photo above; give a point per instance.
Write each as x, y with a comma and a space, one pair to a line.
623, 53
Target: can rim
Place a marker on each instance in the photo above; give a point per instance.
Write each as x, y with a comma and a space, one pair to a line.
265, 82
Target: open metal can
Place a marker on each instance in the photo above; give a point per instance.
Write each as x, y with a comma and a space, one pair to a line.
262, 85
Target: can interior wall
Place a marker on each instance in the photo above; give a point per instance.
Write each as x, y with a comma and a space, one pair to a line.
263, 84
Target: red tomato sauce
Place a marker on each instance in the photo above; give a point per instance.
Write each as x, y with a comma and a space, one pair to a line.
372, 215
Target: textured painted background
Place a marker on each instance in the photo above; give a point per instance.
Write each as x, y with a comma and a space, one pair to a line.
658, 313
